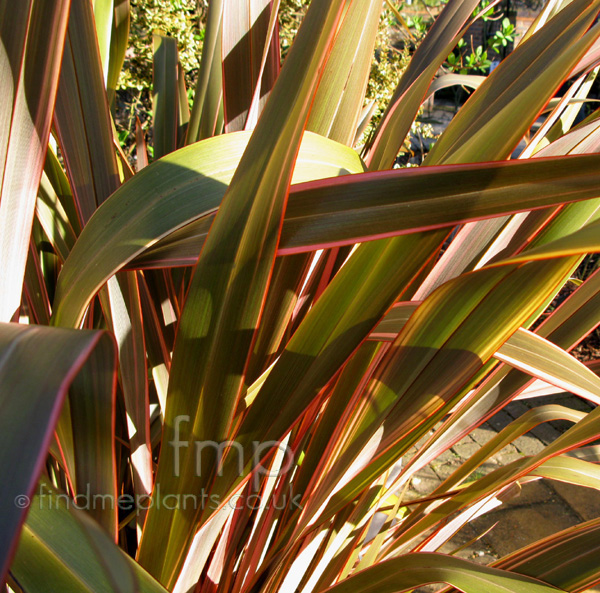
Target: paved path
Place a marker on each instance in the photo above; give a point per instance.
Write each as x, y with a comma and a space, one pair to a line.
542, 508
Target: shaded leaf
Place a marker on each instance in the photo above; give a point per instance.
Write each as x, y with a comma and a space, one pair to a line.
71, 553
41, 388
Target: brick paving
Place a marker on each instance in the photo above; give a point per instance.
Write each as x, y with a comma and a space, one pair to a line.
541, 508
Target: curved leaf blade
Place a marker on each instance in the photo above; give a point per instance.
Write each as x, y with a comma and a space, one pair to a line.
32, 396
183, 186
325, 213
524, 82
62, 549
33, 38
412, 570
226, 296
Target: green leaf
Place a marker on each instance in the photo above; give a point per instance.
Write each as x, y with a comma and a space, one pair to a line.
143, 209
329, 333
288, 279
227, 291
141, 151
92, 422
319, 454
165, 100
35, 288
118, 46
434, 360
567, 559
183, 112
53, 219
412, 570
383, 204
208, 95
250, 60
571, 470
33, 35
524, 351
335, 212
565, 327
331, 212
82, 113
339, 99
127, 325
584, 138
585, 240
448, 80
493, 120
579, 434
62, 549
523, 424
60, 188
540, 358
32, 396
413, 85
103, 18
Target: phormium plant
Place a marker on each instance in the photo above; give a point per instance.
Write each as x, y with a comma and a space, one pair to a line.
209, 369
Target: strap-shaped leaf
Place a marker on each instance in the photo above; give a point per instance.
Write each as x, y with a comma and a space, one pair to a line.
227, 291
427, 370
448, 80
430, 392
372, 206
585, 240
524, 350
516, 91
511, 84
580, 433
180, 187
339, 99
250, 59
568, 559
53, 219
92, 417
103, 18
209, 92
571, 470
412, 570
165, 100
540, 358
62, 549
82, 113
508, 434
33, 35
325, 213
415, 81
584, 138
112, 27
418, 199
567, 325
118, 46
32, 396
127, 323
35, 287
309, 362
